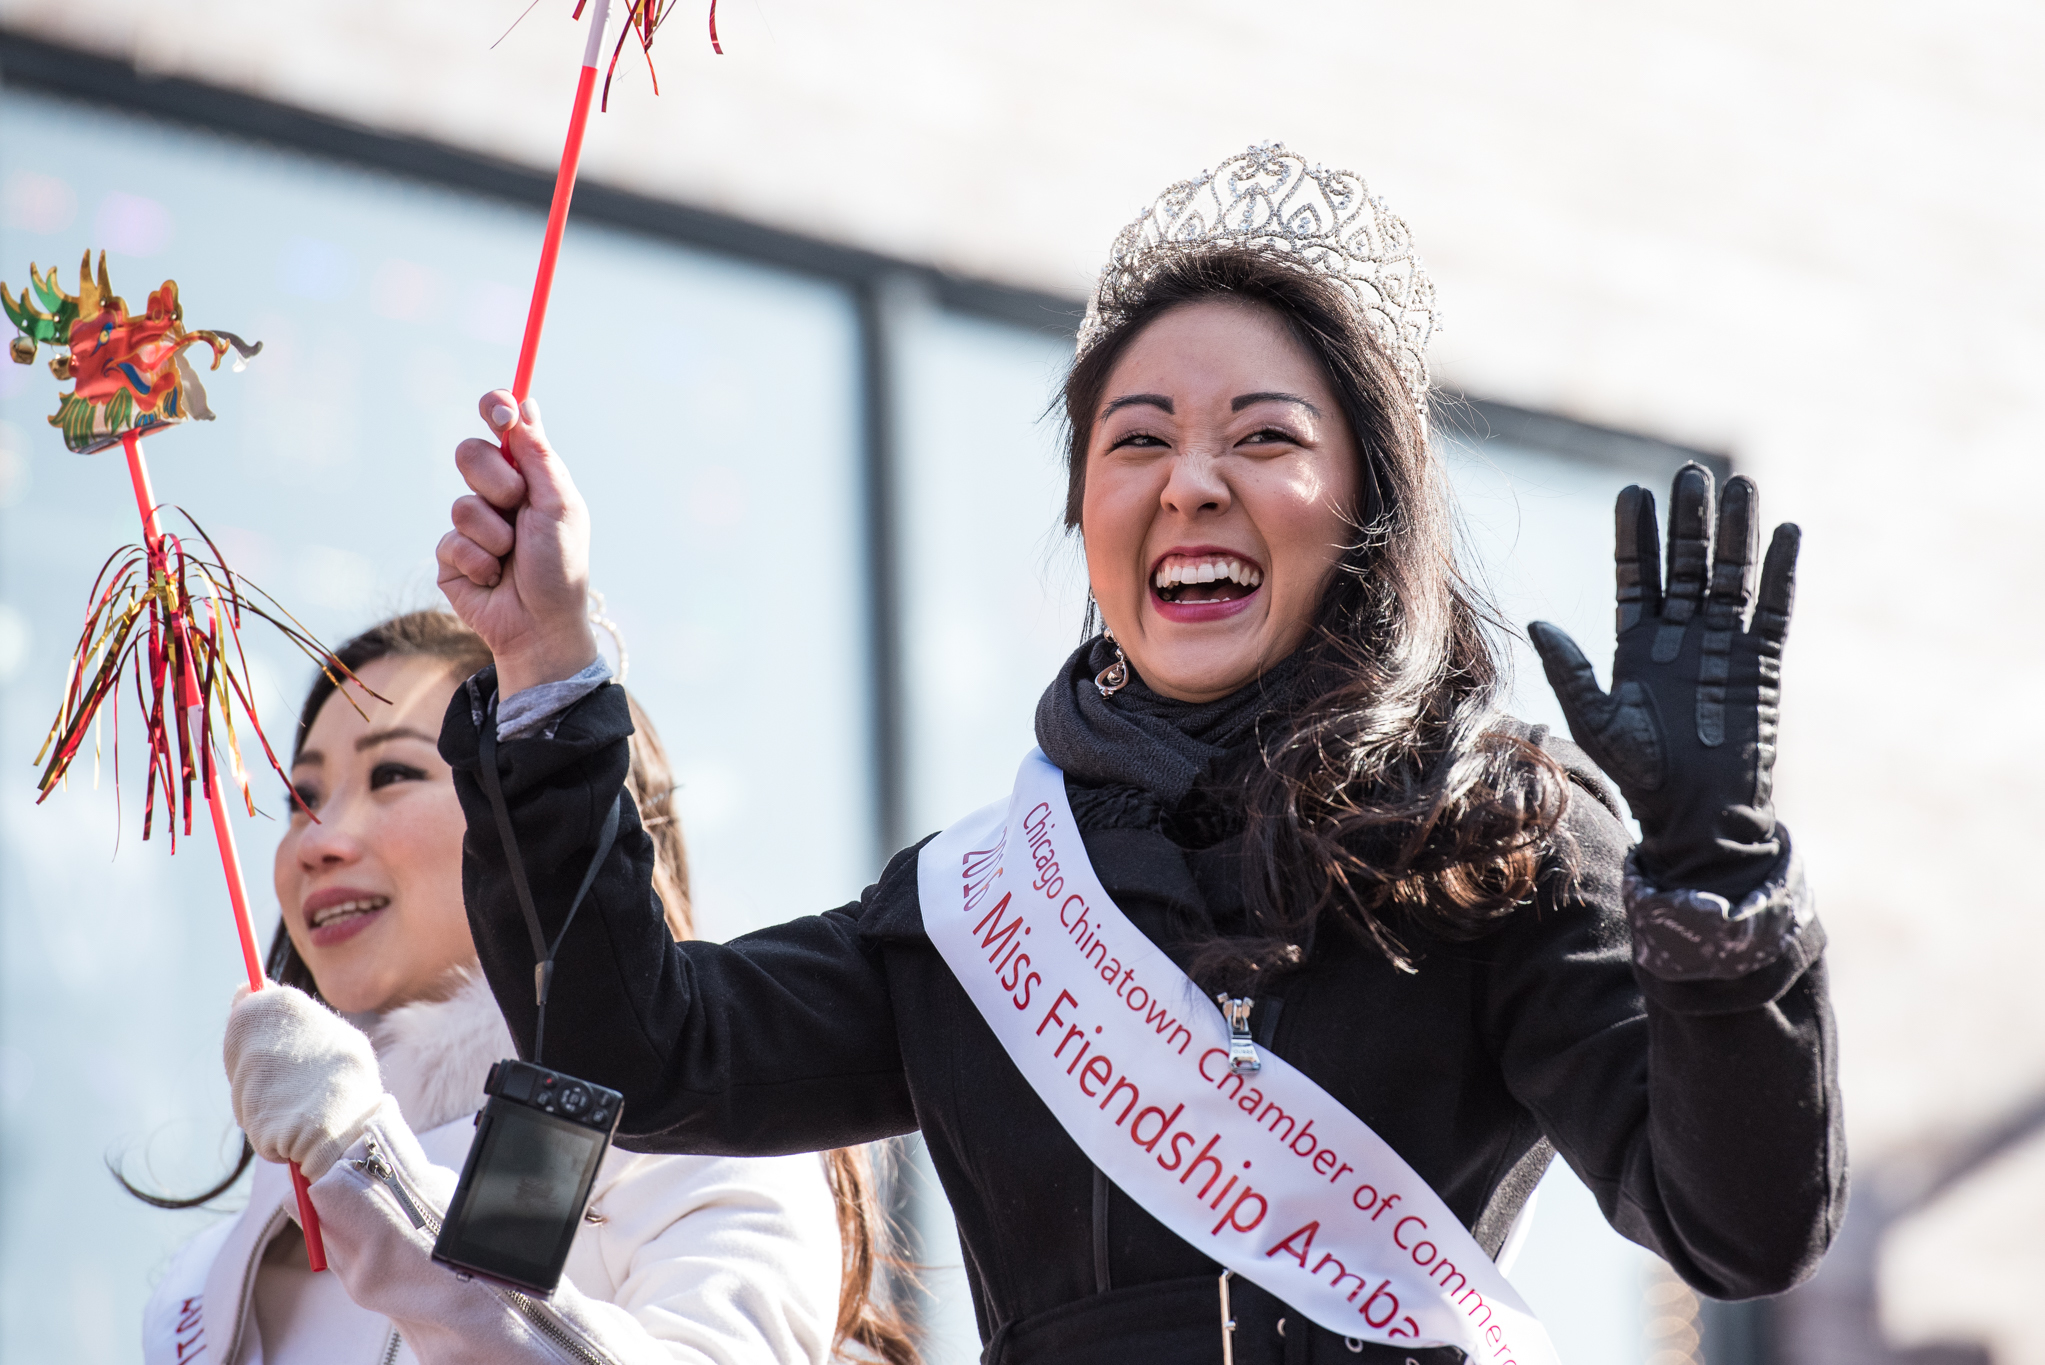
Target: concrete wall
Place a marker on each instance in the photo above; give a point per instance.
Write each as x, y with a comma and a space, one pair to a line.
1804, 234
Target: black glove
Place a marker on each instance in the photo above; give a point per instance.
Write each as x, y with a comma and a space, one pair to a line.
1688, 730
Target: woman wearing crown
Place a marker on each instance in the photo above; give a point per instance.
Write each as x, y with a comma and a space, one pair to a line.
1242, 1029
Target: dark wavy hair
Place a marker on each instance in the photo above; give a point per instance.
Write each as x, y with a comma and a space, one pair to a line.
1386, 795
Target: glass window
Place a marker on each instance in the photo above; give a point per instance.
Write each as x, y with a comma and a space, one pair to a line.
711, 413
994, 589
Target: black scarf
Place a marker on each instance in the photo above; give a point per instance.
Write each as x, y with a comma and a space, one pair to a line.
1138, 738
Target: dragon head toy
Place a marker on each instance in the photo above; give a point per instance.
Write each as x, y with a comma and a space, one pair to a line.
129, 373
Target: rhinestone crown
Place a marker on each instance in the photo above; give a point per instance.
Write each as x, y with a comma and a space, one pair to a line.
1272, 200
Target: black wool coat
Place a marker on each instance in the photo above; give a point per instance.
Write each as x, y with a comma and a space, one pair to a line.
1703, 1116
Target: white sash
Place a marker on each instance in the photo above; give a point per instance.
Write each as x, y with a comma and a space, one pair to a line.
1266, 1173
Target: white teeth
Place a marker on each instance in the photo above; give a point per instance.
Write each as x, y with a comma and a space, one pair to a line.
354, 907
1210, 571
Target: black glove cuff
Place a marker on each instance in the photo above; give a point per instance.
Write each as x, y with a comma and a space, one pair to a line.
1685, 935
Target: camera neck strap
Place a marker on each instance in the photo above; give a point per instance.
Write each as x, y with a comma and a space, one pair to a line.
543, 952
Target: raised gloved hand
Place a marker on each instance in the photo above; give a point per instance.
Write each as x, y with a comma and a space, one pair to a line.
1688, 729
304, 1080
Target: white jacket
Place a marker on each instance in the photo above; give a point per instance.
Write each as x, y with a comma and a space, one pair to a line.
679, 1258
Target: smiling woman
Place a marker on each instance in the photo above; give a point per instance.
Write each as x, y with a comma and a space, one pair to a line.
1215, 491
369, 875
1281, 775
1241, 414
390, 1033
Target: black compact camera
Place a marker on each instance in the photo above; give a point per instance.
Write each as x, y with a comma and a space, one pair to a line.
539, 1139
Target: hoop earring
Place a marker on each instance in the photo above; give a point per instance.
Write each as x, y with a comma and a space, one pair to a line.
599, 617
1115, 676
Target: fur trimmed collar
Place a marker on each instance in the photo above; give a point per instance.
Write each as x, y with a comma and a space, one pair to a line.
435, 1054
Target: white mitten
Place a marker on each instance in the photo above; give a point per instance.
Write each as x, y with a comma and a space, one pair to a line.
303, 1079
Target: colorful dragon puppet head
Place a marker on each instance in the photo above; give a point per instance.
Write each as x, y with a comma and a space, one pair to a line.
131, 373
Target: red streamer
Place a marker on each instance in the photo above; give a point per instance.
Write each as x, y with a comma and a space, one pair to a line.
641, 21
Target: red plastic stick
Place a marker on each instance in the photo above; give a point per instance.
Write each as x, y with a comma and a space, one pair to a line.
223, 832
557, 215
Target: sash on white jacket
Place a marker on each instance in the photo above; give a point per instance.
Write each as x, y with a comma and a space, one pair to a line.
1266, 1172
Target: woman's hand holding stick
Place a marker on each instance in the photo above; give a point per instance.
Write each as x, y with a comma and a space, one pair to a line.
516, 565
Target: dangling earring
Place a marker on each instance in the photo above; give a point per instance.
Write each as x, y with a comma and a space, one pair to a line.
1115, 676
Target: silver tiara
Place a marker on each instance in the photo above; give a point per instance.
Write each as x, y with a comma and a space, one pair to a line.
1271, 200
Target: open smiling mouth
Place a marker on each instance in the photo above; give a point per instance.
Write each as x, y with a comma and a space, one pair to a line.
1187, 579
346, 911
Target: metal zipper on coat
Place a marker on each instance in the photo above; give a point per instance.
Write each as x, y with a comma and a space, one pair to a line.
374, 1164
390, 1349
535, 1313
544, 1321
248, 1283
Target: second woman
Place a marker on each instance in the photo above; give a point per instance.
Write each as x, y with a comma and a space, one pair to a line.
682, 1259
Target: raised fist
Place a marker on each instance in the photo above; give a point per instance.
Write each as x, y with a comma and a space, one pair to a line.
516, 565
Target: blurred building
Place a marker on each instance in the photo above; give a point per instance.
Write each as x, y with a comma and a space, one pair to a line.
813, 306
